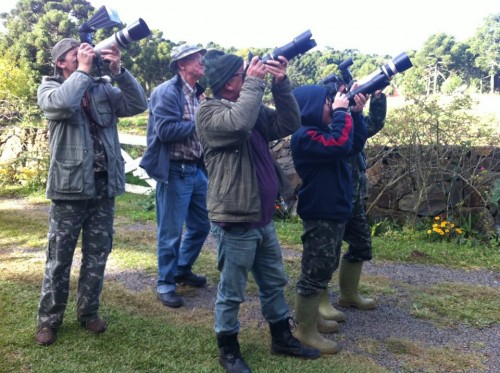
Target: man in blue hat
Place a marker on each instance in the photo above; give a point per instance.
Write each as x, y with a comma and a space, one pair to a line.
174, 159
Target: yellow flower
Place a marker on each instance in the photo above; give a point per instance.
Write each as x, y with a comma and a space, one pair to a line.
437, 218
429, 232
435, 225
443, 223
452, 225
459, 231
441, 233
447, 230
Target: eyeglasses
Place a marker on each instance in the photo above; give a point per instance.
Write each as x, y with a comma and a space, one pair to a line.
242, 74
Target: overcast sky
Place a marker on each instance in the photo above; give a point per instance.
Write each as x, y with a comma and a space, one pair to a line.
379, 27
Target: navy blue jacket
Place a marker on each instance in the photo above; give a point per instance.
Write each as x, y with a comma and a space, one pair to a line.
165, 124
320, 155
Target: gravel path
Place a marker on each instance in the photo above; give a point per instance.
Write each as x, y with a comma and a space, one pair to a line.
391, 320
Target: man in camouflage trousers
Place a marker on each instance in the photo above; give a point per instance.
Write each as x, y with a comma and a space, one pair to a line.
357, 230
86, 172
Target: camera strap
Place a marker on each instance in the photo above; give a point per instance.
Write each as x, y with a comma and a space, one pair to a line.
86, 106
100, 157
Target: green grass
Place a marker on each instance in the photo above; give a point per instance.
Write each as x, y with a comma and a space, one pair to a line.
452, 304
135, 125
140, 338
421, 358
417, 249
144, 336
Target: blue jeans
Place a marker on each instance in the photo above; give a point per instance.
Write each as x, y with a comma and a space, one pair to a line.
182, 200
239, 251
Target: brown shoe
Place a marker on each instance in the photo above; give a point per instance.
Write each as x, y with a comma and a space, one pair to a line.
95, 326
45, 335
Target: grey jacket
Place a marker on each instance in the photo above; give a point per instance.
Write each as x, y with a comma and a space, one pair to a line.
71, 174
224, 128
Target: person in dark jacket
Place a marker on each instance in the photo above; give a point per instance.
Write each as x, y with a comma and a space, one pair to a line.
174, 159
244, 181
320, 152
357, 231
86, 172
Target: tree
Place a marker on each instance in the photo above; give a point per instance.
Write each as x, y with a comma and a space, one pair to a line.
33, 27
437, 58
15, 85
486, 46
148, 60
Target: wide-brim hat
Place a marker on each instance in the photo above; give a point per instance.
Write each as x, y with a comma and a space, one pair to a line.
183, 51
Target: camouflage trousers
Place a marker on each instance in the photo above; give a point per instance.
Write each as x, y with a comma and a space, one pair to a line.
322, 244
357, 235
94, 219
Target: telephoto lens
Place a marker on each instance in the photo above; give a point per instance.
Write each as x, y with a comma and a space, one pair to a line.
301, 44
380, 78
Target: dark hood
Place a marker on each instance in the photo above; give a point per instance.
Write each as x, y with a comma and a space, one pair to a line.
311, 99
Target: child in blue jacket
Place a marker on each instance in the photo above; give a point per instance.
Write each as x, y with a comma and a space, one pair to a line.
321, 147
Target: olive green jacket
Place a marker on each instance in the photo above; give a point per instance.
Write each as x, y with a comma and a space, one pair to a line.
224, 128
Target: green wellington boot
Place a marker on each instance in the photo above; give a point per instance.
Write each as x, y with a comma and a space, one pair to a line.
349, 275
306, 314
327, 326
326, 310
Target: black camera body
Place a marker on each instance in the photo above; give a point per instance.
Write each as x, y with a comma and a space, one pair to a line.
299, 45
379, 79
332, 83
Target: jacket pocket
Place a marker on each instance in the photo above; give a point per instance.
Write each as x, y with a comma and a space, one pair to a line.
101, 110
68, 177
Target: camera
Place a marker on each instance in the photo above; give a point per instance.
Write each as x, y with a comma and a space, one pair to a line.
345, 72
380, 78
109, 18
332, 83
298, 45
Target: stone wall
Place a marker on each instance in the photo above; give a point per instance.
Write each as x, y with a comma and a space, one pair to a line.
408, 184
27, 144
403, 183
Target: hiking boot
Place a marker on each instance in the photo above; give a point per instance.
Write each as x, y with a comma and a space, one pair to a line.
45, 335
96, 325
191, 280
284, 343
170, 299
230, 355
